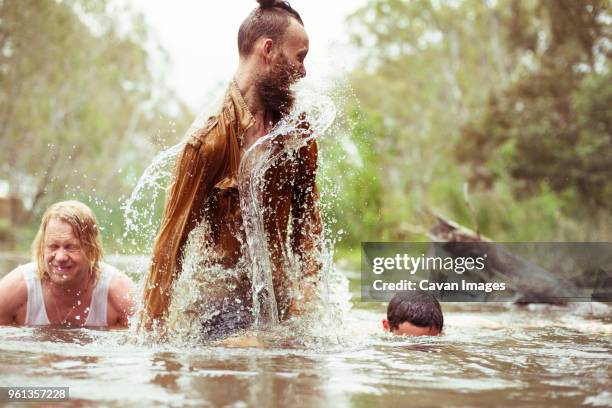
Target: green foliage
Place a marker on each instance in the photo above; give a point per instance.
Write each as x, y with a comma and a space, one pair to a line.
512, 96
80, 112
350, 171
551, 127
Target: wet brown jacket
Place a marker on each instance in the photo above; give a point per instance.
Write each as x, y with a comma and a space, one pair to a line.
205, 187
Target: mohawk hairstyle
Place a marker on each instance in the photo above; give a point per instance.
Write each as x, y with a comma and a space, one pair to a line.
270, 19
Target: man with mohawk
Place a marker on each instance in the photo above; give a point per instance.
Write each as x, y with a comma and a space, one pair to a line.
272, 45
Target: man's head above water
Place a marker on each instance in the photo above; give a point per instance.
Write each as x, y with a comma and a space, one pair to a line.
414, 313
272, 44
67, 246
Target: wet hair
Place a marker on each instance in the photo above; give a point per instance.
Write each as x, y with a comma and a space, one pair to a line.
85, 228
419, 308
271, 19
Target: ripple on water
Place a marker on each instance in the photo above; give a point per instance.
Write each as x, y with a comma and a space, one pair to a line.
536, 361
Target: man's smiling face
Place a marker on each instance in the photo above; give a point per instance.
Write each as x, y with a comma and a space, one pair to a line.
65, 260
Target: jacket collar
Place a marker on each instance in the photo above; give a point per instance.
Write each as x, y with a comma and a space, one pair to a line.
243, 114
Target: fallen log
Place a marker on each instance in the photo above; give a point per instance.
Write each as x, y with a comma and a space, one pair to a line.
527, 281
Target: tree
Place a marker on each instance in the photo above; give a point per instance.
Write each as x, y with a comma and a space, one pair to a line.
552, 126
512, 96
427, 66
80, 112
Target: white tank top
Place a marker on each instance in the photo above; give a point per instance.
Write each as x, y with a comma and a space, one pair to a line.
36, 314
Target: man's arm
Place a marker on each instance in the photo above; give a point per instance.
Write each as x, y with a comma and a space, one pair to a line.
122, 299
306, 227
307, 224
194, 175
13, 296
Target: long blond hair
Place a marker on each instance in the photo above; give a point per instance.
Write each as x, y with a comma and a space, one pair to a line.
85, 228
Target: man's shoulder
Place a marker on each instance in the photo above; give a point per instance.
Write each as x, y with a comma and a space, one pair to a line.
108, 268
23, 271
13, 286
206, 131
121, 290
118, 280
114, 275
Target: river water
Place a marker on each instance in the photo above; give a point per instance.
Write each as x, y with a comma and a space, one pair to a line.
490, 355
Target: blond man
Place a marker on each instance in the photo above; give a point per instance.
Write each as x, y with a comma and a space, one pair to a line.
67, 284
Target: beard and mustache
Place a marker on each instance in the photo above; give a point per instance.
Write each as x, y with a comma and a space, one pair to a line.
274, 88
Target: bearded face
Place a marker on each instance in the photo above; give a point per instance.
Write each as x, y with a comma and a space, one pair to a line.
274, 87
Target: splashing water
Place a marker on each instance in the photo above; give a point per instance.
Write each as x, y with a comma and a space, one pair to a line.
139, 209
256, 162
204, 291
140, 222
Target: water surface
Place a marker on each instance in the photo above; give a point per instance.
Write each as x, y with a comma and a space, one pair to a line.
490, 355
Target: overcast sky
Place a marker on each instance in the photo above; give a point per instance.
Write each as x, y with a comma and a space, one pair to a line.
200, 38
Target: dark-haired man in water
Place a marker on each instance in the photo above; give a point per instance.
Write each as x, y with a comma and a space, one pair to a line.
272, 45
414, 313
